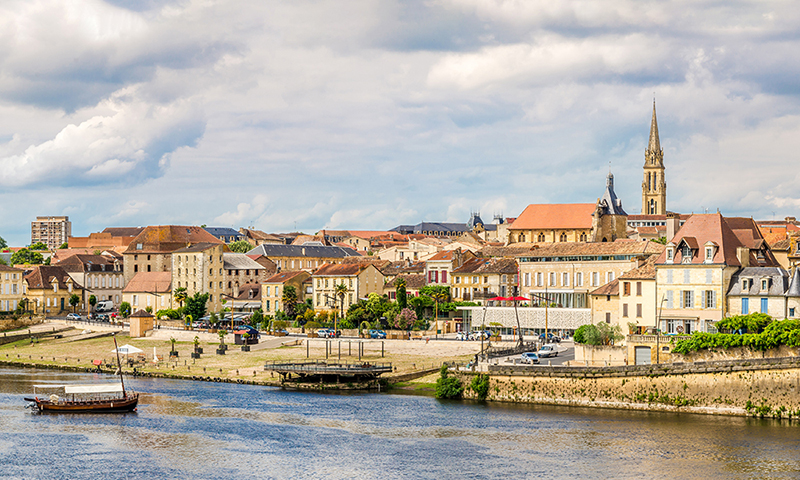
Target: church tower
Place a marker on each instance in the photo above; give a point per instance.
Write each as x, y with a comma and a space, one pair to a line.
654, 186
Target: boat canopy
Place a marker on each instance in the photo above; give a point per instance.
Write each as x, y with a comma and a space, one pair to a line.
102, 388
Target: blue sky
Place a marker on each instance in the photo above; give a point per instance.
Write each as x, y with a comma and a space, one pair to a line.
366, 115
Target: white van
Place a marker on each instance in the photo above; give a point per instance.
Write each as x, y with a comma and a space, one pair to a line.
104, 306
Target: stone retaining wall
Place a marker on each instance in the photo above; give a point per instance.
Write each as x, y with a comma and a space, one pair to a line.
769, 387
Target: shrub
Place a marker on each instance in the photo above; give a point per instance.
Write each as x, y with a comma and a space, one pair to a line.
480, 385
448, 387
775, 334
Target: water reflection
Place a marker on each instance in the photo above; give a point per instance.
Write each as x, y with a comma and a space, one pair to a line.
200, 430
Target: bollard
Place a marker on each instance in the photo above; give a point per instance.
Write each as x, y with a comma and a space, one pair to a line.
306, 348
381, 348
340, 349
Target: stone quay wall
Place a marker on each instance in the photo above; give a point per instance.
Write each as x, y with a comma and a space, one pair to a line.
763, 387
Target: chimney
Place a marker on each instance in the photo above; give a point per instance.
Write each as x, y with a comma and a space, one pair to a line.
673, 225
743, 254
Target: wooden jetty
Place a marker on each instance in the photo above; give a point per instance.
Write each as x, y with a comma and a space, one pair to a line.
329, 372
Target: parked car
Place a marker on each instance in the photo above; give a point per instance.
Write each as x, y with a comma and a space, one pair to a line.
462, 336
550, 338
377, 334
325, 333
102, 317
548, 350
481, 334
529, 357
73, 316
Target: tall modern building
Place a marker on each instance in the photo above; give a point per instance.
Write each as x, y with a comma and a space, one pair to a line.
52, 231
654, 185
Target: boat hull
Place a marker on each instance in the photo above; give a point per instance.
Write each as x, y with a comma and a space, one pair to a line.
118, 405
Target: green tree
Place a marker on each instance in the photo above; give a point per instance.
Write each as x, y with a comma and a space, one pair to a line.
74, 300
240, 246
661, 240
25, 256
3, 243
179, 294
63, 246
312, 327
92, 301
256, 318
289, 299
38, 246
196, 305
125, 309
448, 387
402, 298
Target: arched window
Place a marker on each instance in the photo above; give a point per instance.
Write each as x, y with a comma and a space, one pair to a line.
522, 237
583, 237
563, 237
541, 237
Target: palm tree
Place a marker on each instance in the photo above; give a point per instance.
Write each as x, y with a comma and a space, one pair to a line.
341, 291
180, 295
289, 299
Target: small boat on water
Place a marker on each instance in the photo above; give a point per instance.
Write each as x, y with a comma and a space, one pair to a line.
98, 398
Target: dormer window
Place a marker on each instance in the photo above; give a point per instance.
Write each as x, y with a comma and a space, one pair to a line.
686, 254
670, 254
745, 285
764, 284
138, 246
709, 254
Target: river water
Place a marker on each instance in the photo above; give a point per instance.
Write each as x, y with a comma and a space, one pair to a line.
186, 429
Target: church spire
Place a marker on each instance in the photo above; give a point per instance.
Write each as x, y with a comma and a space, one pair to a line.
654, 146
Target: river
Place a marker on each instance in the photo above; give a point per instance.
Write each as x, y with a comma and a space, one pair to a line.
185, 429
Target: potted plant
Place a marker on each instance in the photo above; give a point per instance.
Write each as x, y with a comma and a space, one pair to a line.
173, 353
222, 347
245, 346
312, 327
197, 347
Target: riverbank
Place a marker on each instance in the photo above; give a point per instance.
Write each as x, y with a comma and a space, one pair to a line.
80, 348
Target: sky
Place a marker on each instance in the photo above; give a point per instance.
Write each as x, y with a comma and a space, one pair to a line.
304, 115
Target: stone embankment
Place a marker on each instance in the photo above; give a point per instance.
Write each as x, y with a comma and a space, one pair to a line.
763, 387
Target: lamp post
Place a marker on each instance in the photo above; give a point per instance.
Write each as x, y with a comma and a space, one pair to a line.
335, 317
158, 326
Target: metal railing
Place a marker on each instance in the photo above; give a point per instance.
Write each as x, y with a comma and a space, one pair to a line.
330, 368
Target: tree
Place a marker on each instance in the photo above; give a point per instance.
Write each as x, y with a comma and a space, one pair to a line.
241, 246
63, 246
23, 255
341, 291
125, 309
74, 300
92, 301
38, 246
196, 305
256, 318
312, 327
179, 294
289, 299
438, 297
3, 243
448, 387
405, 319
402, 298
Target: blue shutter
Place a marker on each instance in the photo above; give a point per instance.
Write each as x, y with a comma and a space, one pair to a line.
764, 305
745, 306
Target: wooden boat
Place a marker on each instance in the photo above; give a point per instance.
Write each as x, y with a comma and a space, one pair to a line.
100, 398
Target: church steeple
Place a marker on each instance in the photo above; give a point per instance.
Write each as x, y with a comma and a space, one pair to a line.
654, 186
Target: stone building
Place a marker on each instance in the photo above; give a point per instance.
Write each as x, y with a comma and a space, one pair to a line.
654, 185
759, 289
101, 275
11, 287
361, 279
479, 279
272, 289
150, 289
48, 289
151, 250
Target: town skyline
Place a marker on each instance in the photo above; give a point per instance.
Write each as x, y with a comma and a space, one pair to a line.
303, 117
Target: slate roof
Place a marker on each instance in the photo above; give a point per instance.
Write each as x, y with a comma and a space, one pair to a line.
609, 202
794, 285
158, 282
168, 238
554, 215
779, 281
313, 251
41, 275
226, 232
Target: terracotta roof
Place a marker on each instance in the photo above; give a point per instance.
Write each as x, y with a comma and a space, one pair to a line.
6, 268
258, 234
379, 264
304, 239
339, 269
507, 251
198, 247
553, 216
41, 276
250, 291
618, 247
403, 266
168, 238
123, 231
646, 272
413, 280
488, 265
85, 263
282, 277
444, 255
610, 288
781, 245
158, 282
141, 314
655, 218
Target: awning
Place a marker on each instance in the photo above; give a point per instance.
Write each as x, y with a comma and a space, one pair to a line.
102, 388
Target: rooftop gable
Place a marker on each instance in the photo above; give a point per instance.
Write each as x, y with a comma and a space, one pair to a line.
555, 216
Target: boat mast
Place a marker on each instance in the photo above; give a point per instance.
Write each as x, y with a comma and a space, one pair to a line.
119, 364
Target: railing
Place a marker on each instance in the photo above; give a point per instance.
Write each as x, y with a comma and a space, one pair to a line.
495, 352
656, 338
329, 368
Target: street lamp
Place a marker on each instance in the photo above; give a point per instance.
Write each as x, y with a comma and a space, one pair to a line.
335, 318
158, 325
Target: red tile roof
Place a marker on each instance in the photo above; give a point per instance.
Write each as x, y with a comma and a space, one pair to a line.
554, 216
339, 269
282, 277
610, 288
159, 282
41, 276
168, 238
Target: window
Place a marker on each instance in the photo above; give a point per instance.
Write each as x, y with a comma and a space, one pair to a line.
552, 279
608, 317
710, 299
266, 290
764, 305
540, 238
745, 306
539, 279
764, 284
148, 268
686, 254
444, 278
791, 312
610, 277
638, 289
458, 279
136, 268
136, 300
579, 279
745, 285
626, 288
709, 254
669, 299
583, 239
563, 237
565, 279
670, 254
687, 299
474, 279
669, 276
504, 278
595, 279
638, 310
266, 304
485, 279
687, 276
625, 310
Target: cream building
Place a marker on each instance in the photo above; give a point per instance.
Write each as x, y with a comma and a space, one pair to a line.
48, 290
149, 289
272, 290
200, 269
151, 250
101, 276
361, 279
637, 297
479, 279
605, 303
759, 289
11, 288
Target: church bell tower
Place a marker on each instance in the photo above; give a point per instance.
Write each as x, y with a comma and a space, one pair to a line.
654, 186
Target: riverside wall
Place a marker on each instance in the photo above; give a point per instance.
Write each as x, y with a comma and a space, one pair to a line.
762, 387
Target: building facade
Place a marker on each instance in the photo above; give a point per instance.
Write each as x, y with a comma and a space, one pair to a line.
52, 231
361, 279
654, 185
48, 290
479, 279
272, 290
101, 276
151, 250
11, 288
